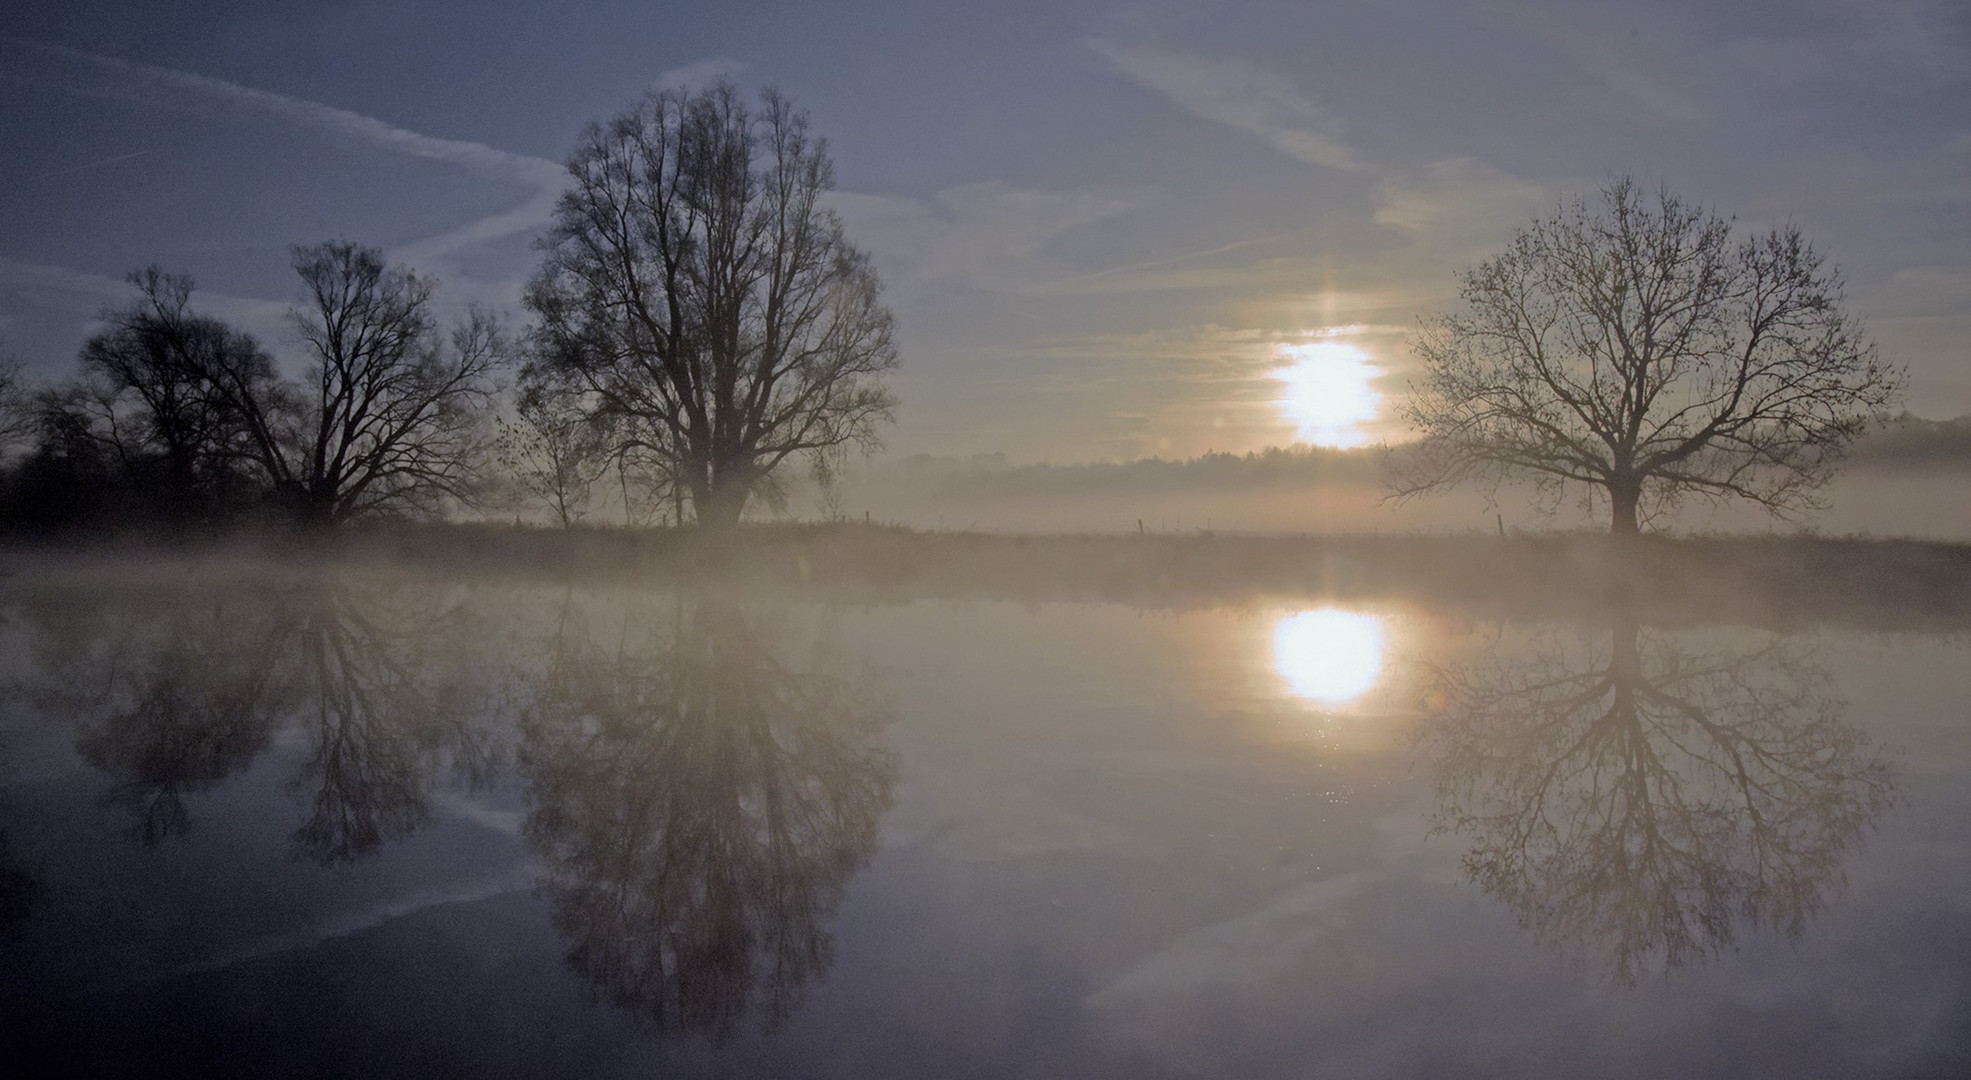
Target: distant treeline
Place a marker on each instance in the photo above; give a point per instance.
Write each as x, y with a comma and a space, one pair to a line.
1904, 441
988, 475
1912, 442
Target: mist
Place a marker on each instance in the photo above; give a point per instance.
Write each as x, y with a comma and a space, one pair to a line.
1014, 541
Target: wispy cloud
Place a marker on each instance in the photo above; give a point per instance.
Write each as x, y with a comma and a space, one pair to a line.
83, 292
544, 176
989, 235
1239, 95
1458, 206
1618, 71
1223, 266
699, 73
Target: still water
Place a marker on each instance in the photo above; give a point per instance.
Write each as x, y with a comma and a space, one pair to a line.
367, 824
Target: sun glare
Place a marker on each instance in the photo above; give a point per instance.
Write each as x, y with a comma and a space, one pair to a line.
1328, 656
1327, 392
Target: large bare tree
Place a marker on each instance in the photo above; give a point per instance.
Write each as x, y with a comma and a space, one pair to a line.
696, 287
395, 410
1641, 349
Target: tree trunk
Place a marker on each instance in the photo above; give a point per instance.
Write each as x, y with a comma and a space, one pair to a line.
720, 505
1624, 495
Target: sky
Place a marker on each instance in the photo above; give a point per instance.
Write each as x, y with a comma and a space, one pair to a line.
1106, 230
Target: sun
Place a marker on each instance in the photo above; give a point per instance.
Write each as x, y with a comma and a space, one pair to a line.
1329, 656
1328, 393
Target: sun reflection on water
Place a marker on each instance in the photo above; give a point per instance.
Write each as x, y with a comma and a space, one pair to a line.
1329, 656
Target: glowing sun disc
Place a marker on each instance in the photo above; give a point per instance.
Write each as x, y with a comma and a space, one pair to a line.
1327, 392
1328, 656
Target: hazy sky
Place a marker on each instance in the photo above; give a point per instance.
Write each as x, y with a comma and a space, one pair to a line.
1100, 225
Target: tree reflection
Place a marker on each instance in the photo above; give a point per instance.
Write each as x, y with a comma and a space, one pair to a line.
183, 715
380, 712
176, 697
700, 805
1643, 799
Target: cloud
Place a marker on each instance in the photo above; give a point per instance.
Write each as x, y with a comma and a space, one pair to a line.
699, 73
1653, 99
544, 176
1239, 95
1926, 36
1207, 269
988, 235
97, 164
1457, 205
67, 289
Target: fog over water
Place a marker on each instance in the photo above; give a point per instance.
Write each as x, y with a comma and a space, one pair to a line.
255, 817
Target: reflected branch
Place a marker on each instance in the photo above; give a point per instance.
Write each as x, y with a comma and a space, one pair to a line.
175, 698
185, 717
383, 708
1645, 799
700, 806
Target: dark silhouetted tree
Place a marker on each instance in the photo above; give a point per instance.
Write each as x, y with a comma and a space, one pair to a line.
163, 389
699, 292
394, 411
393, 415
17, 425
1640, 349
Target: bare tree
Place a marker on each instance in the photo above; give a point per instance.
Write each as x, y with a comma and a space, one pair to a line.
696, 287
393, 410
17, 421
554, 451
165, 383
391, 415
1640, 349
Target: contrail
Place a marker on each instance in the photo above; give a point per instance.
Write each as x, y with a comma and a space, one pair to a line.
118, 159
544, 176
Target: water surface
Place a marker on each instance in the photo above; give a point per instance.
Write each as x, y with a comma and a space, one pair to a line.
369, 823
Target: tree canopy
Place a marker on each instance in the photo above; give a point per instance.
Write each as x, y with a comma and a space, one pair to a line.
1643, 349
705, 302
189, 419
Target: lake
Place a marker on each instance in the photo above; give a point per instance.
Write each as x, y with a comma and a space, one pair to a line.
372, 822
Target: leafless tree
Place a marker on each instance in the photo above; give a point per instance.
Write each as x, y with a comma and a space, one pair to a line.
163, 380
697, 289
391, 415
393, 410
1640, 349
17, 421
554, 451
